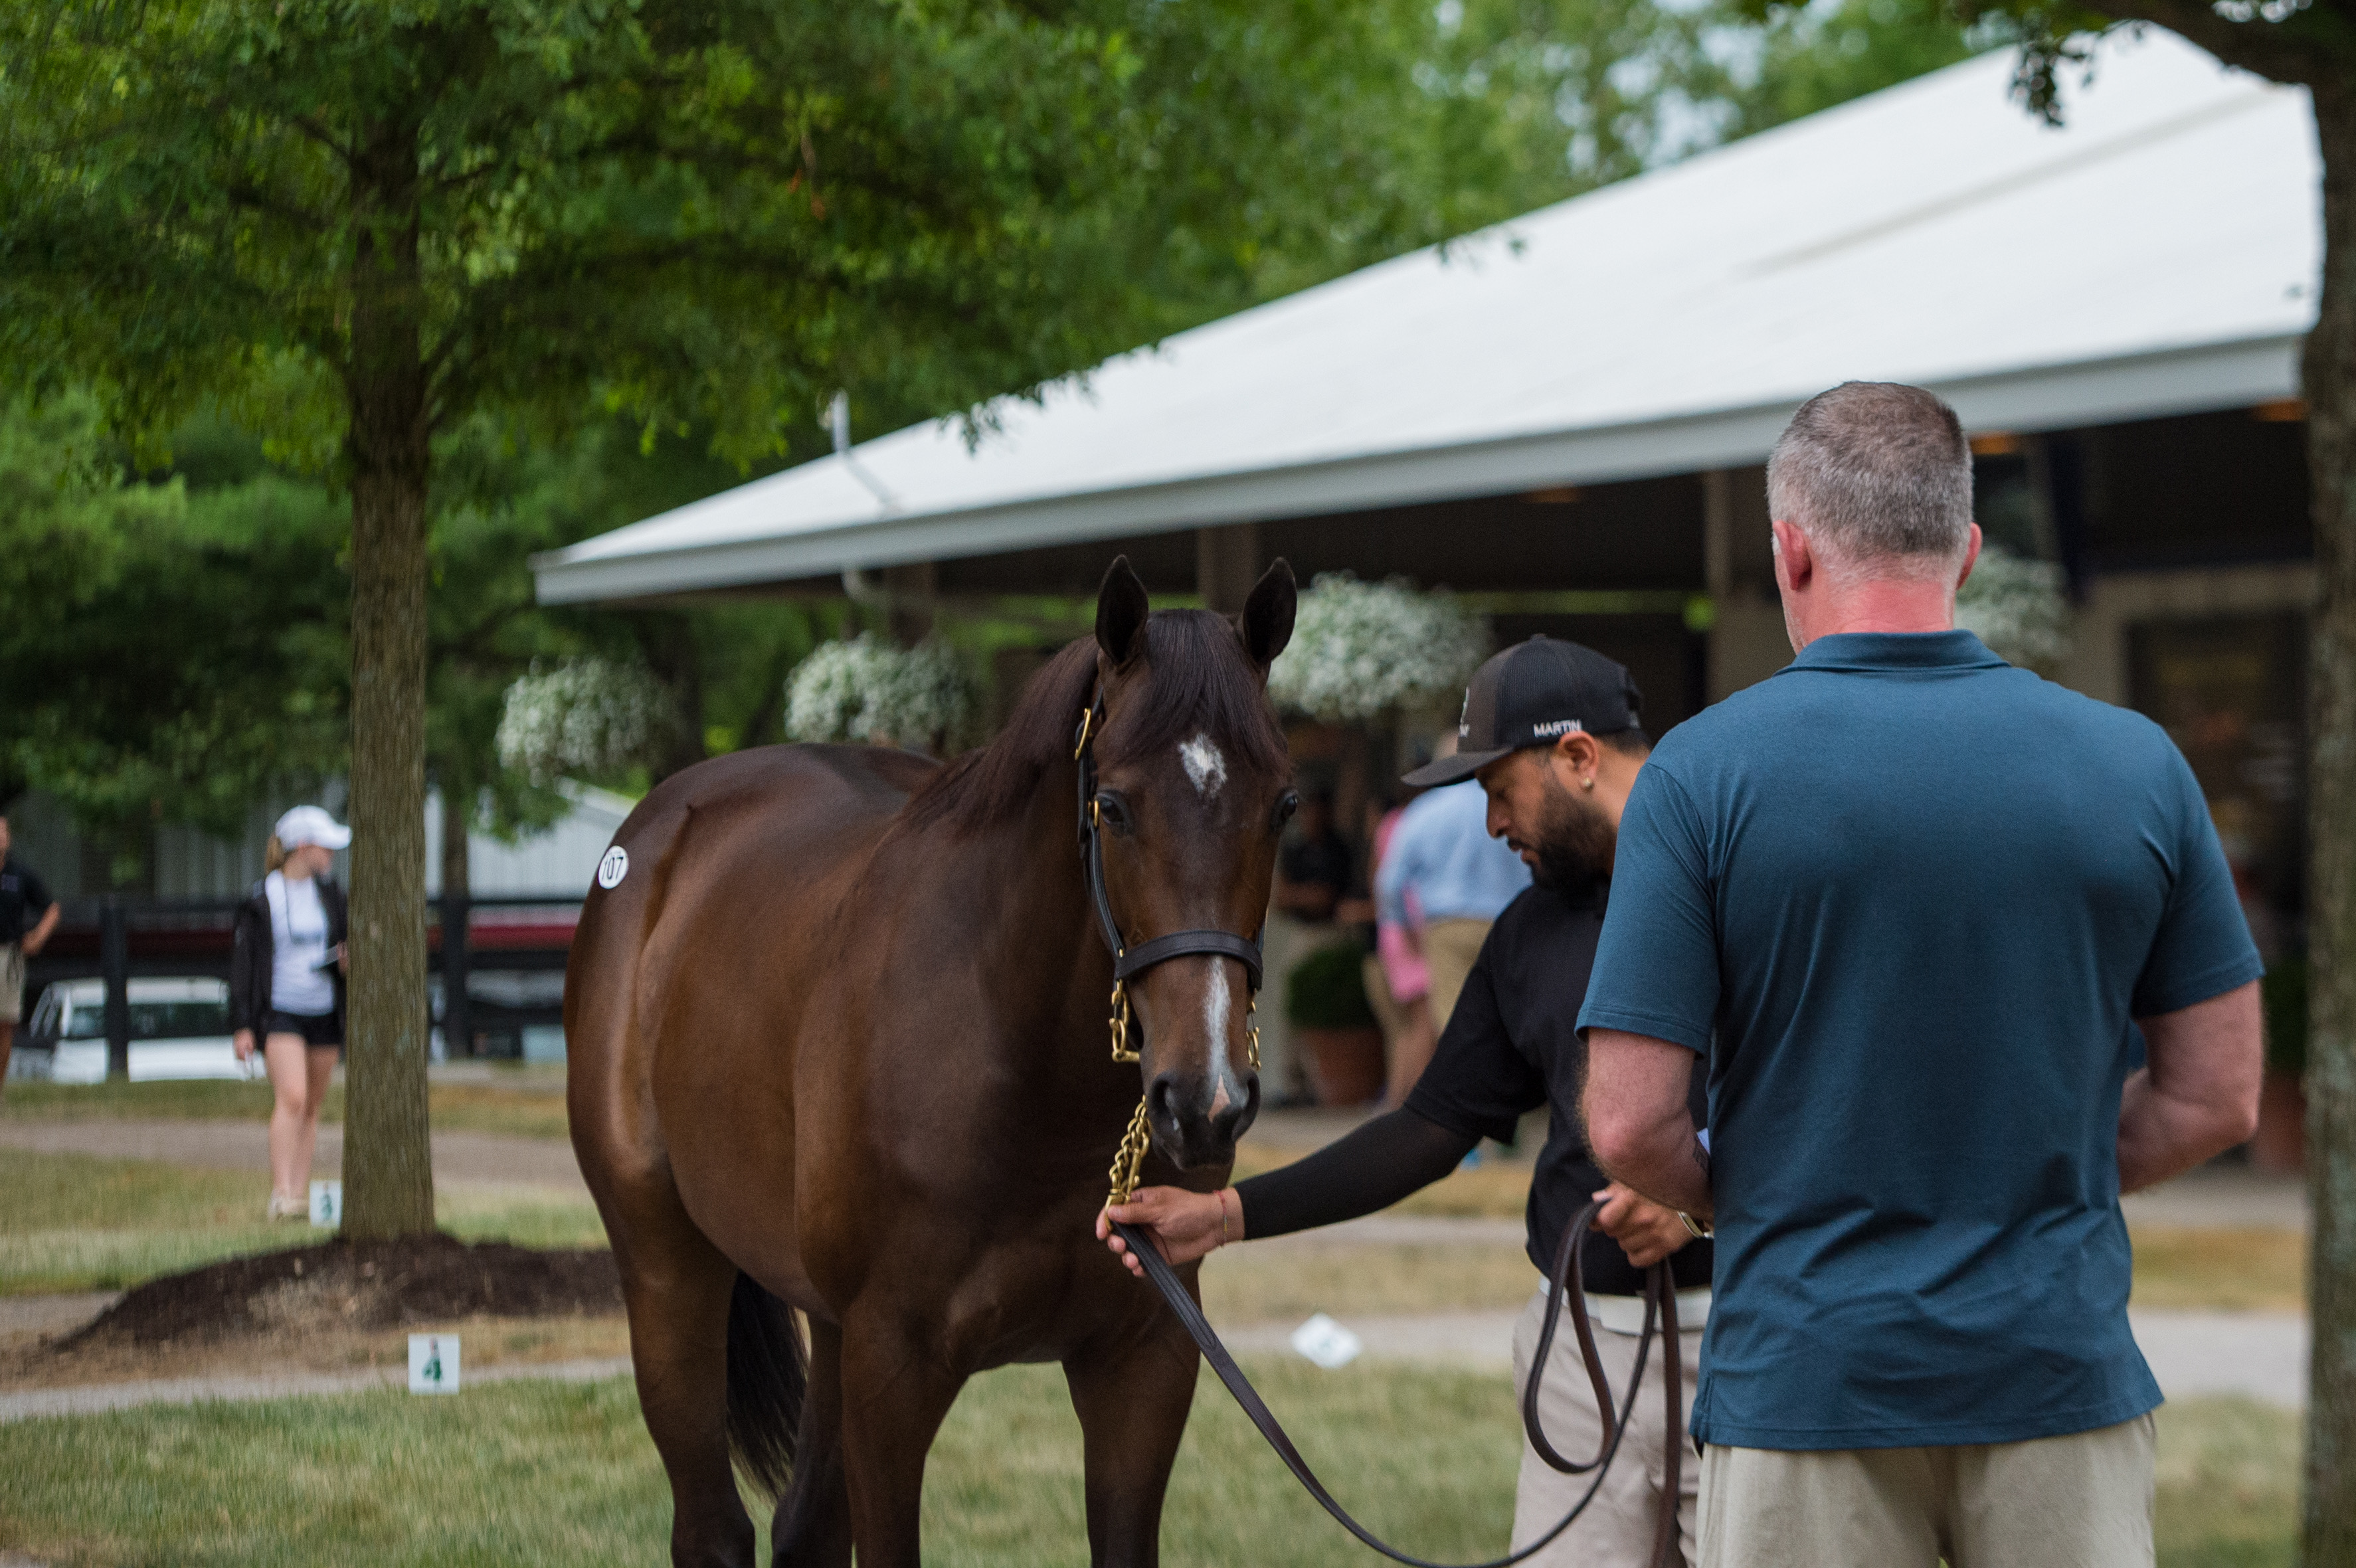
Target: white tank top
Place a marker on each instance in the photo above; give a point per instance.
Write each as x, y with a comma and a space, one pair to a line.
298, 932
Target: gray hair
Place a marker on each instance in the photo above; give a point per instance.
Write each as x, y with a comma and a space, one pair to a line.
1875, 472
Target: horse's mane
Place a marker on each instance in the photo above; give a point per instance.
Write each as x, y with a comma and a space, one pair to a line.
1198, 681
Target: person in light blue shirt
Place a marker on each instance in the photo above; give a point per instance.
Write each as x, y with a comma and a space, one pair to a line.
1914, 906
1446, 880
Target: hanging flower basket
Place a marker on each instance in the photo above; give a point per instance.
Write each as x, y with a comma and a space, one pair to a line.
866, 691
587, 717
1363, 649
2018, 607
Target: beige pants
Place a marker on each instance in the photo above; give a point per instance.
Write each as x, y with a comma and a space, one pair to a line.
1618, 1527
1449, 946
2079, 1501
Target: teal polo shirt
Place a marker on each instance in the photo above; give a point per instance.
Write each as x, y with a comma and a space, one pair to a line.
1909, 900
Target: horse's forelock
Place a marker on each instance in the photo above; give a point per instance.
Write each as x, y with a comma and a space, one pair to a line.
1197, 679
1197, 682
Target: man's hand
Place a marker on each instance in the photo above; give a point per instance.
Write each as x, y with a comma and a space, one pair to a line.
1645, 1230
1185, 1225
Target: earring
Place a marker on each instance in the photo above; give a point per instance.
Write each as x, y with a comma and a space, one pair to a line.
1588, 782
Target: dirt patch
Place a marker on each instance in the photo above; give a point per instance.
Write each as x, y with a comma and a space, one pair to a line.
356, 1287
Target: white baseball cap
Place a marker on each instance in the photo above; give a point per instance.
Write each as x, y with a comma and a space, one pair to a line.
311, 825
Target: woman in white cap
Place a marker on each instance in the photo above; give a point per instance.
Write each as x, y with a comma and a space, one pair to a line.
286, 990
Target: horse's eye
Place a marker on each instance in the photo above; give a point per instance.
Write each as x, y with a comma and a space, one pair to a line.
1112, 811
1286, 805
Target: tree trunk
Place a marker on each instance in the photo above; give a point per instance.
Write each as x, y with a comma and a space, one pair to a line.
2329, 374
388, 1153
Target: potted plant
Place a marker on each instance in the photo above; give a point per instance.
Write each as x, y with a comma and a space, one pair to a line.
2281, 1143
1325, 1003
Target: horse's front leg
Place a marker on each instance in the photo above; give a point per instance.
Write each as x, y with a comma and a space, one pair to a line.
1132, 1400
895, 1390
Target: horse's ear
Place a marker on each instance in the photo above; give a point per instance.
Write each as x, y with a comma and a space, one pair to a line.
1268, 613
1121, 609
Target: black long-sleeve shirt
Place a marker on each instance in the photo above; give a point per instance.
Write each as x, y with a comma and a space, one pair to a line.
1510, 1047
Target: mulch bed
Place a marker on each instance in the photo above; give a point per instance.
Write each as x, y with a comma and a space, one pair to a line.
357, 1285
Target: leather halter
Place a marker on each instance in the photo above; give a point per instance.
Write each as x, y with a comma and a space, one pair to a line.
1128, 962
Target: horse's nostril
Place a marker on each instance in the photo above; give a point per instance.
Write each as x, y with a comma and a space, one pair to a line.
1162, 1102
1229, 1123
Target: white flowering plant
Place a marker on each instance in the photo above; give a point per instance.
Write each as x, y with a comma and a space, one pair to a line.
866, 690
1361, 649
2018, 607
586, 717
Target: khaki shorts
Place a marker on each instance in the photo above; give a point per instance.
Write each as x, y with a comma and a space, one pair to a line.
2079, 1501
1618, 1528
12, 983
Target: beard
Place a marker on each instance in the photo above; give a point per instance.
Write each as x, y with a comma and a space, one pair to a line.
1574, 841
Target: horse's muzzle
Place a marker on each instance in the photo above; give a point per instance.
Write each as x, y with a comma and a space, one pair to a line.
1196, 1118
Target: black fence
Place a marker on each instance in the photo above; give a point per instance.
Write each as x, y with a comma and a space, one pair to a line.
522, 939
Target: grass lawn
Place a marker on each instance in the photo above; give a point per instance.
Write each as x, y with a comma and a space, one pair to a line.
76, 1223
550, 1474
532, 1107
1289, 1282
1493, 1189
2219, 1270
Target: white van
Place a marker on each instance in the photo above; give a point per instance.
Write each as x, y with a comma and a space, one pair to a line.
179, 1028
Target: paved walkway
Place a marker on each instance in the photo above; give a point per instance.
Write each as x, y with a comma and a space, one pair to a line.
91, 1399
2263, 1355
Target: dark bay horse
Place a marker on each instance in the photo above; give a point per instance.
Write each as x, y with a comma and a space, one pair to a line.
838, 1026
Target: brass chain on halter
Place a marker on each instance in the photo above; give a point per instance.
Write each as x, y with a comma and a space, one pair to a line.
1130, 1158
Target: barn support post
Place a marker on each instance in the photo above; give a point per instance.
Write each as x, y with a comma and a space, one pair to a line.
1226, 564
457, 960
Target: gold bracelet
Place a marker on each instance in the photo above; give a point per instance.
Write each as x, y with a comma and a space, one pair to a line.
1222, 1196
1694, 1227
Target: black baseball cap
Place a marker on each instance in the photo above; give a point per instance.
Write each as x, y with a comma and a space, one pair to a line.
1533, 694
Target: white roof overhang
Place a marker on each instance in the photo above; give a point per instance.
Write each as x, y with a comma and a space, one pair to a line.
2156, 255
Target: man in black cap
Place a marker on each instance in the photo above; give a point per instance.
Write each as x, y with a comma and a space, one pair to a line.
1550, 729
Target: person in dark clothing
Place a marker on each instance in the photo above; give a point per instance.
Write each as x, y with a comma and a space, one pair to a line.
1550, 729
1312, 869
27, 916
286, 990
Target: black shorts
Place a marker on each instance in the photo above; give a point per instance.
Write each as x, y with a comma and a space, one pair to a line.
320, 1031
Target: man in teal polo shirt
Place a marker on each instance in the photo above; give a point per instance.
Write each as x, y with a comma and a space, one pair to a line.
1921, 911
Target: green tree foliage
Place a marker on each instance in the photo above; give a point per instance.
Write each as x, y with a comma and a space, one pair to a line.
360, 225
1799, 61
174, 647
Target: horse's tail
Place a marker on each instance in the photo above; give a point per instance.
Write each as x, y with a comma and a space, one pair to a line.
768, 1373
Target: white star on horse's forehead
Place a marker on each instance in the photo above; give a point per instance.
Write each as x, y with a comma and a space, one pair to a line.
1206, 770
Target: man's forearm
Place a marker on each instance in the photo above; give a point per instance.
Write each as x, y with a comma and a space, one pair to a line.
1667, 1168
2160, 1135
2198, 1095
1638, 1127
